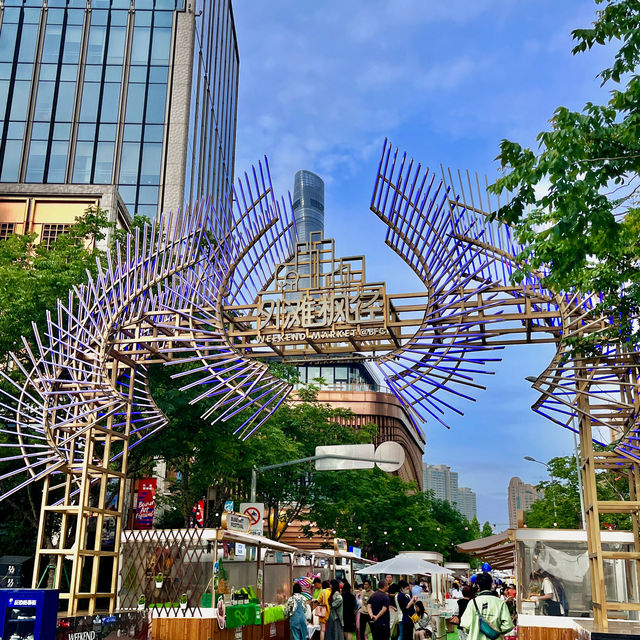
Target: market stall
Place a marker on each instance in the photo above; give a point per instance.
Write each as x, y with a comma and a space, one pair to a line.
459, 569
413, 563
562, 555
331, 563
232, 583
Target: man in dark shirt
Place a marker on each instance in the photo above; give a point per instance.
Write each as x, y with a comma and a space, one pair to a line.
379, 612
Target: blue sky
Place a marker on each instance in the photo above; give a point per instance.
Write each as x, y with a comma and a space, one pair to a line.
323, 83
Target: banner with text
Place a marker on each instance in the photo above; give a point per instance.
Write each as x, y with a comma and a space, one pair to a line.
146, 503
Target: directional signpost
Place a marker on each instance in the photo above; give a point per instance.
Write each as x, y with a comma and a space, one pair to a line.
389, 456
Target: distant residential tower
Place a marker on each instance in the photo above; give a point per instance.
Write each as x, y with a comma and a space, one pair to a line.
521, 496
440, 479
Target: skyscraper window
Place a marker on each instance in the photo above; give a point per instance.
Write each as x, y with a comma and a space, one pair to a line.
102, 93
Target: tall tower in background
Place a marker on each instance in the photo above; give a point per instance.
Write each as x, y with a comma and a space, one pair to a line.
521, 497
440, 479
308, 203
133, 96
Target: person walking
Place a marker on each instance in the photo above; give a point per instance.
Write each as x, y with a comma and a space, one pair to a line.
394, 617
488, 607
335, 624
365, 595
349, 606
463, 602
379, 612
323, 609
405, 610
296, 611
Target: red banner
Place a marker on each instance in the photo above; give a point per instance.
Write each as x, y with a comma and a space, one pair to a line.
197, 515
146, 503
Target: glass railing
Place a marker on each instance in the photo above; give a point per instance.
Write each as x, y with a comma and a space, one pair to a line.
346, 386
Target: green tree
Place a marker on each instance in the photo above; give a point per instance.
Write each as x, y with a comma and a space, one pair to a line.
560, 503
583, 228
385, 515
474, 529
33, 276
487, 530
209, 460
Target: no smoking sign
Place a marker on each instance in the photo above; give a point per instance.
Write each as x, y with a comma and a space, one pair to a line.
255, 512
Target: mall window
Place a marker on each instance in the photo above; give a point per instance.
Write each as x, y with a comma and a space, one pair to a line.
7, 229
51, 232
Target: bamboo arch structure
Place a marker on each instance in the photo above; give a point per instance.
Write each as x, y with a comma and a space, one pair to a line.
186, 291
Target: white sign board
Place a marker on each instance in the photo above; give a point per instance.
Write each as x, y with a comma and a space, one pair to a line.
392, 453
255, 512
235, 522
355, 451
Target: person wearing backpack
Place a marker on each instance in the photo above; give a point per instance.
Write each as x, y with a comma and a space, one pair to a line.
486, 616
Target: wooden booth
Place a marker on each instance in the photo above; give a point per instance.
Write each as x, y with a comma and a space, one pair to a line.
207, 583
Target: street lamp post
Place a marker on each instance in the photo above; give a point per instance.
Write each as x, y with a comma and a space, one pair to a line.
533, 380
555, 514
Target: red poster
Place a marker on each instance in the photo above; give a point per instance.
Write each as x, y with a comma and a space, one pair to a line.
197, 514
146, 503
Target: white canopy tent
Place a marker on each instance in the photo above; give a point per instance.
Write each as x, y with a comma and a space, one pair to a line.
405, 564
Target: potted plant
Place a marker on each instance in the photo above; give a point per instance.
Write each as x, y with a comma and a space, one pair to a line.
183, 601
142, 601
159, 580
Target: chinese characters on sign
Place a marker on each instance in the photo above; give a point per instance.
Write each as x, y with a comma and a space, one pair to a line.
320, 297
322, 308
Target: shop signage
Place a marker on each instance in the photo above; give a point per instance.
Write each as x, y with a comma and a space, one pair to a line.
146, 503
357, 551
237, 522
241, 551
319, 298
228, 505
340, 545
323, 308
255, 512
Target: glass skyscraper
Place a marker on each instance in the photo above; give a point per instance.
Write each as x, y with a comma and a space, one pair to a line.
140, 94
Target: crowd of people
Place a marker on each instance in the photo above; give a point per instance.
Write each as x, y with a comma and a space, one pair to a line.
396, 611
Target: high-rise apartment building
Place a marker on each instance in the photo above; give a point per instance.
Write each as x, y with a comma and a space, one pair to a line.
521, 496
440, 479
466, 503
135, 94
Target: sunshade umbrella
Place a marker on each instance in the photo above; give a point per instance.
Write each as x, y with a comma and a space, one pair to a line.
405, 564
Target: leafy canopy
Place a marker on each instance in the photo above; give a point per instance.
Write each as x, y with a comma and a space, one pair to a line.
561, 501
582, 232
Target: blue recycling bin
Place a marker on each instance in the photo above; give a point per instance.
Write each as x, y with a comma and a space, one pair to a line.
28, 614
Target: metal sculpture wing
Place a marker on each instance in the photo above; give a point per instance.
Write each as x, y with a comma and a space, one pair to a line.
158, 298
